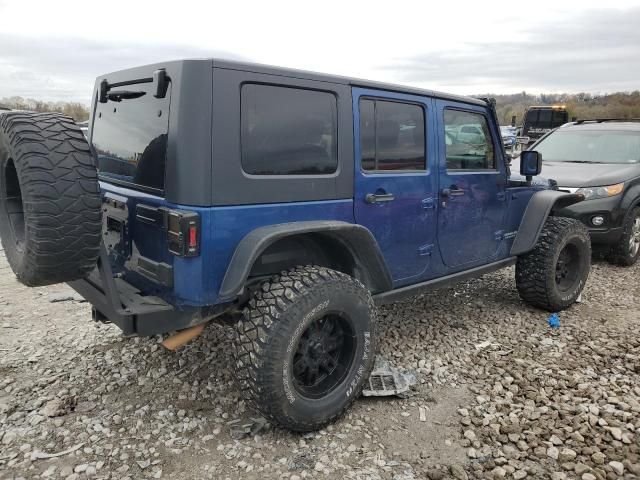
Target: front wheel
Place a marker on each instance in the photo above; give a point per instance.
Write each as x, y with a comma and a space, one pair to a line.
305, 345
553, 274
626, 252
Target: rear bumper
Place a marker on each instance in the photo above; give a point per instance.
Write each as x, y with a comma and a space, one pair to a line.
118, 302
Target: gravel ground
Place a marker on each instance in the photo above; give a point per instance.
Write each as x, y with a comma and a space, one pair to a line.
505, 395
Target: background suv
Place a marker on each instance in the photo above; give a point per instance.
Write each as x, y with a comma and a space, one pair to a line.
601, 160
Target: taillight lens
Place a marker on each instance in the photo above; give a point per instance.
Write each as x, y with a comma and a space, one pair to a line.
193, 237
183, 233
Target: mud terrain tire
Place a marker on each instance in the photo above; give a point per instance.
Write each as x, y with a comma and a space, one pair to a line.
553, 274
290, 325
50, 218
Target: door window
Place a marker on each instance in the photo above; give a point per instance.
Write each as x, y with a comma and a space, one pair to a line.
392, 136
468, 141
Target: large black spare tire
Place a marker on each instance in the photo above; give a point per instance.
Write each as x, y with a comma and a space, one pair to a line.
50, 219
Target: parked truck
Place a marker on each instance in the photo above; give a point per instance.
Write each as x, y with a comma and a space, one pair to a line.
540, 120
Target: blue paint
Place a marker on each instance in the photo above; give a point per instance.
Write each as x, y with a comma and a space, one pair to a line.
469, 225
404, 225
197, 280
421, 233
458, 232
231, 224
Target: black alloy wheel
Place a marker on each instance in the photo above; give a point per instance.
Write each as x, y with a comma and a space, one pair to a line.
568, 267
323, 357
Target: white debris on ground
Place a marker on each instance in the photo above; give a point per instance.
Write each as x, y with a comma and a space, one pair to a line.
386, 380
499, 395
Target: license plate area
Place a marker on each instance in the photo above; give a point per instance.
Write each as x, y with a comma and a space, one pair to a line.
115, 229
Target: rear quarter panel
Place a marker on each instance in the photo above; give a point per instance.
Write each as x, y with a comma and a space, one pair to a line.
197, 280
230, 224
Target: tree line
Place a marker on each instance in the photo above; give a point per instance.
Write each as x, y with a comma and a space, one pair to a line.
78, 111
579, 105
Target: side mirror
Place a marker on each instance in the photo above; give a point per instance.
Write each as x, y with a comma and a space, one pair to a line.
530, 163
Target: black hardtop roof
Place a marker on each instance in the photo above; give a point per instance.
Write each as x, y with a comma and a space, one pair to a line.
302, 74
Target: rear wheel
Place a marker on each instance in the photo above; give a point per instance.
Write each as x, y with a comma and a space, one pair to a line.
305, 346
627, 250
49, 198
553, 274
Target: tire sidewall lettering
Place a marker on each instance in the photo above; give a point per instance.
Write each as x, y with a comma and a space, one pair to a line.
366, 344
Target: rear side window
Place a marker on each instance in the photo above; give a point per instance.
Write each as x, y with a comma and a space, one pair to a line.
531, 117
288, 131
468, 141
560, 117
546, 118
130, 137
392, 136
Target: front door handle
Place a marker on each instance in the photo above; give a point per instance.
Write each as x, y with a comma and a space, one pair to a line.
452, 192
379, 197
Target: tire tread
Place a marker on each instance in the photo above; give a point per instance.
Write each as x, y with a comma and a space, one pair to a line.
61, 197
532, 268
259, 323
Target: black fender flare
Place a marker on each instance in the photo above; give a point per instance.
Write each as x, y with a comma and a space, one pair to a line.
631, 197
540, 206
358, 240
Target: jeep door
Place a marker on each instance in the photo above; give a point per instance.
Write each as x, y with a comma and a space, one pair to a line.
472, 182
395, 190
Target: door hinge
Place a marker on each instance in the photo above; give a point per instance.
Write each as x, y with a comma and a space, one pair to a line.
425, 250
428, 203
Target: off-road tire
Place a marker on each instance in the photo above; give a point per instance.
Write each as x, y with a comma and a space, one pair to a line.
621, 253
269, 332
536, 270
50, 218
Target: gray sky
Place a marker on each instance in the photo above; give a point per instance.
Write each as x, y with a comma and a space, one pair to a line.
54, 50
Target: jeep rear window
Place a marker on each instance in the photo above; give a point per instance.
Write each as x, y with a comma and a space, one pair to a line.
130, 137
288, 131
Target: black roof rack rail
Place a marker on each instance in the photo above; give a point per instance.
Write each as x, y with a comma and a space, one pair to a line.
601, 120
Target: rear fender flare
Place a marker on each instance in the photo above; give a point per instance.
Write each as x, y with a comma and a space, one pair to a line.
358, 241
540, 206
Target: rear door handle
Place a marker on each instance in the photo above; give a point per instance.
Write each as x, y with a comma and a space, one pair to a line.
452, 192
379, 197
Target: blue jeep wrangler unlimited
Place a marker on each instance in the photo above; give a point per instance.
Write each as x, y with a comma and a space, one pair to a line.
290, 201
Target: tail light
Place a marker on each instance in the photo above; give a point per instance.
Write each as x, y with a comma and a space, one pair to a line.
183, 233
